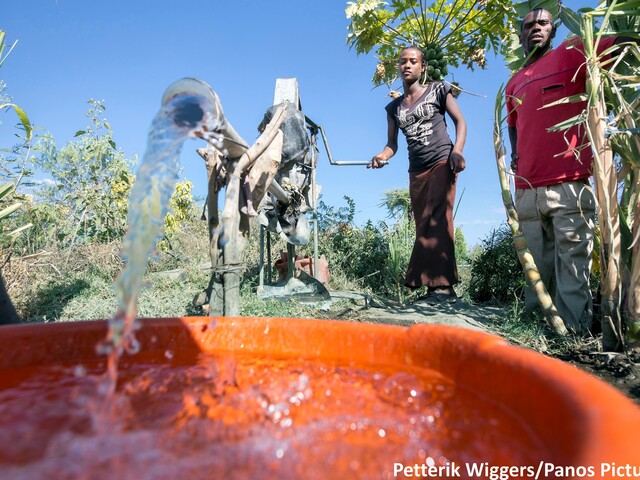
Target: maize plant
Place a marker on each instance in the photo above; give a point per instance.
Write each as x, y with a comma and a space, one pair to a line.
612, 122
524, 255
8, 206
24, 119
7, 191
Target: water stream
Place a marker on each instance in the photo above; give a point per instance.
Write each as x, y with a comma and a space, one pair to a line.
185, 115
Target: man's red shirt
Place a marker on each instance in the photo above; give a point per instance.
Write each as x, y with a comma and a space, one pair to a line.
548, 158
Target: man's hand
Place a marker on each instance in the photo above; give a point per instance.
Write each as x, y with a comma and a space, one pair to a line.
457, 162
514, 162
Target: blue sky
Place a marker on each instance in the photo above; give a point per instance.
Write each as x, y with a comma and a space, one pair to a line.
126, 52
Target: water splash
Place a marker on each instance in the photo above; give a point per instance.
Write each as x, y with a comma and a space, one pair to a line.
201, 416
183, 115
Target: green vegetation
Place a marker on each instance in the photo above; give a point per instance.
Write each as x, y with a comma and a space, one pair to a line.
496, 273
11, 172
449, 32
90, 184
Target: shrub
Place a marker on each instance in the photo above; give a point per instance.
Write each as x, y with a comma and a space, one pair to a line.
496, 273
462, 255
90, 181
359, 253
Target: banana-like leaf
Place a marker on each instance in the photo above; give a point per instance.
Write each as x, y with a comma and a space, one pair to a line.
523, 8
568, 123
12, 235
581, 97
24, 119
4, 213
571, 20
5, 190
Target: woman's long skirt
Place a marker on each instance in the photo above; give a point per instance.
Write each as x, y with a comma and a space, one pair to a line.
433, 261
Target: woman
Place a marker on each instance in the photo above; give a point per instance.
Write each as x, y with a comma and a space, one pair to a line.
434, 162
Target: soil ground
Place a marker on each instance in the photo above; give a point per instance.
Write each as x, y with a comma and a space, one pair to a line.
620, 370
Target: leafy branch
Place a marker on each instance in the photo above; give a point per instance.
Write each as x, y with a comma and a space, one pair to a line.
462, 30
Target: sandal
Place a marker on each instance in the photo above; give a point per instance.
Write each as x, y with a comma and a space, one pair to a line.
434, 298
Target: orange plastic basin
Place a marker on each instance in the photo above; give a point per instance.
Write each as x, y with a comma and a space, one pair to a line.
297, 398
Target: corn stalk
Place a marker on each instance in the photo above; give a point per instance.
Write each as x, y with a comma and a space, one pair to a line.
606, 189
606, 85
532, 275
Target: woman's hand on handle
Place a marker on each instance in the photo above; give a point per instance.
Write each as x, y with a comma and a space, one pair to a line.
377, 162
382, 158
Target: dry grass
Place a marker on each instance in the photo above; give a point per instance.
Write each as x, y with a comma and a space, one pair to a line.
76, 283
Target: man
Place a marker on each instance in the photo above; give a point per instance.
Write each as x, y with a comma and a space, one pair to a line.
554, 199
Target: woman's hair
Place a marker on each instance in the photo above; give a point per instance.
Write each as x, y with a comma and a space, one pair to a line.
414, 47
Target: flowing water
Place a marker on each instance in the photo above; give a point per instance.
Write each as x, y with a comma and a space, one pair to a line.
183, 116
